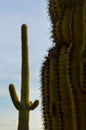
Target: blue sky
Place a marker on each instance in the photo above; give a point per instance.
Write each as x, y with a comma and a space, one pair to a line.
13, 13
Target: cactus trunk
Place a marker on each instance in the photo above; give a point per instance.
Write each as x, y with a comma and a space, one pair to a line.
63, 73
23, 113
24, 106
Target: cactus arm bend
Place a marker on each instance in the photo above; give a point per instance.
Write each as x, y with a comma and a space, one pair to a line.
32, 106
14, 97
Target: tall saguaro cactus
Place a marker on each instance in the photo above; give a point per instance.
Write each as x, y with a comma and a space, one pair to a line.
24, 106
63, 73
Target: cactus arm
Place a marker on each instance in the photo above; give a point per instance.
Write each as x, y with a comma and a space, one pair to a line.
32, 106
14, 97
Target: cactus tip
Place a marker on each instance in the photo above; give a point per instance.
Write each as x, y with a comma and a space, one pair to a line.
11, 87
24, 26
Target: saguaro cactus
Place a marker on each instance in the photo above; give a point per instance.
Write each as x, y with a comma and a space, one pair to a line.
24, 106
63, 73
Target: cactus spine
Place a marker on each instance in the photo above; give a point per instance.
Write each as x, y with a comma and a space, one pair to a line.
24, 106
63, 73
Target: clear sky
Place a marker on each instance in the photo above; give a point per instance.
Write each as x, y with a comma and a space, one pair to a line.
13, 13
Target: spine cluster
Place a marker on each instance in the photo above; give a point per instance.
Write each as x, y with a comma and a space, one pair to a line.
63, 73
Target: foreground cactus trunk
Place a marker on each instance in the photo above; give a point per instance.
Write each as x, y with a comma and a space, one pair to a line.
63, 73
24, 106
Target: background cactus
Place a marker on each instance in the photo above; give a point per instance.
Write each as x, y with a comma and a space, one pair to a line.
63, 73
24, 106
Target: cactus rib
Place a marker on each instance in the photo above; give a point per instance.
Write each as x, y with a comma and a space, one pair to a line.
64, 70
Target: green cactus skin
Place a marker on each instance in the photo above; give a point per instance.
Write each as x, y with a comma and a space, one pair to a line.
77, 64
60, 14
56, 99
24, 106
63, 73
